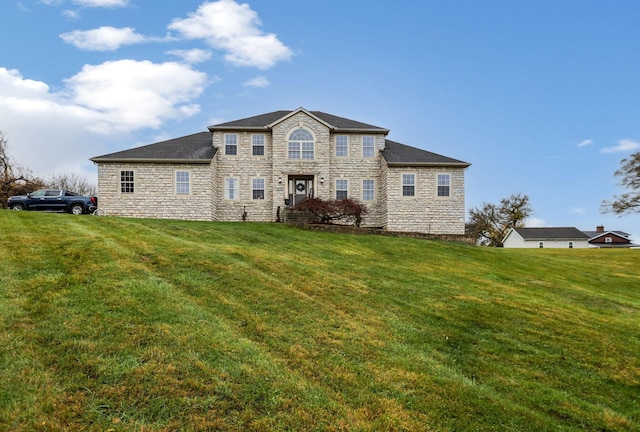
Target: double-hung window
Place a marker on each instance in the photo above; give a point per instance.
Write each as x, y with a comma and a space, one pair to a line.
257, 145
301, 145
231, 188
183, 182
257, 186
342, 146
444, 185
368, 190
408, 185
231, 144
342, 188
368, 146
126, 181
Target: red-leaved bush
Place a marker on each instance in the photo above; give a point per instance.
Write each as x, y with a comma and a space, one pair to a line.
330, 210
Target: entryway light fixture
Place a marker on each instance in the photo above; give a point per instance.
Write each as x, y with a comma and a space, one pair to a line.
321, 180
279, 180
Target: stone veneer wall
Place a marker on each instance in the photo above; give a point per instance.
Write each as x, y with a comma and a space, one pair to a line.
425, 212
355, 168
154, 191
276, 166
245, 167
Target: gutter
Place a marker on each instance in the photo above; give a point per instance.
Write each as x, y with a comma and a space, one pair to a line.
149, 160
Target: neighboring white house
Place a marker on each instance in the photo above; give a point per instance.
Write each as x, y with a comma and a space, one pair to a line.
255, 168
566, 237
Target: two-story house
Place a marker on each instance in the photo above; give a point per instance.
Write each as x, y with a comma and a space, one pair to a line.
255, 167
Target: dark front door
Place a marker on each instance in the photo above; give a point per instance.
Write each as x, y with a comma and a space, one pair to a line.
300, 188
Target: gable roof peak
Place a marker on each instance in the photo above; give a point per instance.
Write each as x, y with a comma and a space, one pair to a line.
297, 111
264, 122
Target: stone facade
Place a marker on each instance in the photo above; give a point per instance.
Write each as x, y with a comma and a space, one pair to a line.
425, 212
154, 191
240, 182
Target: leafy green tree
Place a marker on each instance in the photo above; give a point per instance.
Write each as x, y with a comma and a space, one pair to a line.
628, 202
489, 223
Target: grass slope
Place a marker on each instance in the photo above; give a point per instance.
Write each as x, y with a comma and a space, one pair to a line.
150, 325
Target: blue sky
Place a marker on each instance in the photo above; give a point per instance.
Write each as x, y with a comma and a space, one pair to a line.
542, 97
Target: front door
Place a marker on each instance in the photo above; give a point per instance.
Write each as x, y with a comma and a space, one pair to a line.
300, 188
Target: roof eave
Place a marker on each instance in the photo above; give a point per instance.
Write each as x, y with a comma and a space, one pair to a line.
238, 128
430, 164
356, 130
556, 239
151, 160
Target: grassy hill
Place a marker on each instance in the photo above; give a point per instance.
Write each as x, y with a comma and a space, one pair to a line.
149, 325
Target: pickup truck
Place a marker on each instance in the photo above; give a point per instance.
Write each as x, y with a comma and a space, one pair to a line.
56, 200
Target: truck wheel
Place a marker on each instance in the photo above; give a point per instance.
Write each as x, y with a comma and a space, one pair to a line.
76, 209
17, 207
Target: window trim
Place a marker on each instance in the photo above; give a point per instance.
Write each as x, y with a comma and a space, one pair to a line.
132, 182
254, 145
300, 146
345, 189
228, 146
414, 185
176, 182
372, 147
450, 177
254, 189
372, 190
227, 188
345, 144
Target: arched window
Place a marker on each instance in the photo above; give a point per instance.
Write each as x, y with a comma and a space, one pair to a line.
301, 144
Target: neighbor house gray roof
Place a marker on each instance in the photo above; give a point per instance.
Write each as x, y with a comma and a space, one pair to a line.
265, 121
397, 154
551, 233
593, 234
195, 148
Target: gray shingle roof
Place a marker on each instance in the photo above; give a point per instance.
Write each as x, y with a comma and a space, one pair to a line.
593, 234
264, 120
195, 148
552, 233
397, 154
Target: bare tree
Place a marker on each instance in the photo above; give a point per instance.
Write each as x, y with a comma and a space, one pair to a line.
73, 182
627, 202
489, 224
14, 179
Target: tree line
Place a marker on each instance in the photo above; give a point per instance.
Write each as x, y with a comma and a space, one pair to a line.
16, 179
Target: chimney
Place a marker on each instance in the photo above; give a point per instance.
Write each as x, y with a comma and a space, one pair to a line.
600, 229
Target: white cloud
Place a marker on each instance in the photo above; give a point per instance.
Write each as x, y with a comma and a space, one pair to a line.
577, 210
105, 38
585, 143
102, 3
49, 131
90, 3
191, 56
133, 94
535, 222
258, 81
234, 28
71, 14
624, 146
